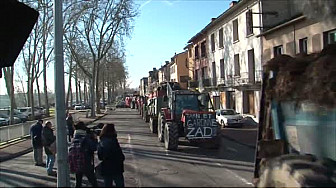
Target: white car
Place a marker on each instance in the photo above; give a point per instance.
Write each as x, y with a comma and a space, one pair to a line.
28, 112
229, 117
79, 107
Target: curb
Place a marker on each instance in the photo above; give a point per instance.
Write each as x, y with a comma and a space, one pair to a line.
30, 149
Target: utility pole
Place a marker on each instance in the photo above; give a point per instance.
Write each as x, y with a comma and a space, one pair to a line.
63, 177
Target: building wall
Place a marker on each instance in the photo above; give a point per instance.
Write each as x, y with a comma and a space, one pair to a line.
287, 35
182, 71
232, 48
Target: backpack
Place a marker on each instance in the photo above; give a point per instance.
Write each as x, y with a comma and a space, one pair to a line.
76, 156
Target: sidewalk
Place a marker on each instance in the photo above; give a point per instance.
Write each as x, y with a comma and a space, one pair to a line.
23, 146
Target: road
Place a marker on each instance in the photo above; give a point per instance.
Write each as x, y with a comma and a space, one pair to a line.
148, 164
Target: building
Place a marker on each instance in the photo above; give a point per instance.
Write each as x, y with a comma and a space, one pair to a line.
295, 31
231, 66
178, 69
143, 86
164, 72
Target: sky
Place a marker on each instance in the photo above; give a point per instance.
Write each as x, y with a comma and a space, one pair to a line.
162, 28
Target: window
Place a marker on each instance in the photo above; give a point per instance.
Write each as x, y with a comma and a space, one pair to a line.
203, 49
222, 68
213, 42
249, 22
329, 37
204, 74
220, 34
190, 53
235, 30
213, 69
196, 52
278, 50
251, 65
236, 65
303, 44
196, 75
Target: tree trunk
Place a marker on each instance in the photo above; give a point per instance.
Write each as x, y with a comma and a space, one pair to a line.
46, 100
97, 90
92, 90
85, 92
69, 87
76, 83
80, 91
38, 93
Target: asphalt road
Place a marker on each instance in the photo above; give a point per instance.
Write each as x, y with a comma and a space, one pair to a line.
148, 164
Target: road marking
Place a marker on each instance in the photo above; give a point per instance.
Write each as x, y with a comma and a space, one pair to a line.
231, 149
129, 146
238, 177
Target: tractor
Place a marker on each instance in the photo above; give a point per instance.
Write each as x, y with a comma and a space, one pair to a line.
297, 125
187, 115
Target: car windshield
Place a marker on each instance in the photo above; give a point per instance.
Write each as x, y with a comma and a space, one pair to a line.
228, 112
189, 102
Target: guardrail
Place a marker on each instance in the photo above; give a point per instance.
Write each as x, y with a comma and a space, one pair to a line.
11, 132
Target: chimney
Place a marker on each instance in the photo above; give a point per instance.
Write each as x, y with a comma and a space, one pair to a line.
167, 62
213, 19
233, 3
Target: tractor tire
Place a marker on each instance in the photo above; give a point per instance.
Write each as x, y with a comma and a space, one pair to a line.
160, 127
171, 136
292, 170
152, 125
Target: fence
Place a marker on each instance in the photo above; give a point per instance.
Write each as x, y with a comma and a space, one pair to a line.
16, 131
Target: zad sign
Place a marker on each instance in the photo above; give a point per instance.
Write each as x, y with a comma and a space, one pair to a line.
200, 125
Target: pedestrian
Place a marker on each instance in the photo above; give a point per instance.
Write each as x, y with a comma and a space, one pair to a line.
88, 144
49, 143
36, 139
109, 151
70, 126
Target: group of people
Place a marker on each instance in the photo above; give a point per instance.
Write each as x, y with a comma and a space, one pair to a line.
108, 149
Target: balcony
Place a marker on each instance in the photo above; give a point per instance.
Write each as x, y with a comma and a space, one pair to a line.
244, 79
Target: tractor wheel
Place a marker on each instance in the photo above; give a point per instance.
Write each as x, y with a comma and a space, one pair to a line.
292, 170
152, 125
171, 136
161, 123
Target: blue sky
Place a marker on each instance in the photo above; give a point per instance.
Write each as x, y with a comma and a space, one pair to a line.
164, 27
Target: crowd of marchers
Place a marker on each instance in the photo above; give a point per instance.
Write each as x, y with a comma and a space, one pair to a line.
83, 142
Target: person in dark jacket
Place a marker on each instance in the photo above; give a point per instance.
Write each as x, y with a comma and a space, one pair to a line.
70, 126
109, 151
36, 139
89, 144
48, 139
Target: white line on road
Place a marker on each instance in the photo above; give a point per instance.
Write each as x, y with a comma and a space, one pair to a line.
129, 146
239, 177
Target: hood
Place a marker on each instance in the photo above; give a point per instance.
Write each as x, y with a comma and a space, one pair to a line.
233, 116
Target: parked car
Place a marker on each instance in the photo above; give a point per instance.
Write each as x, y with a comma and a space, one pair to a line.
28, 112
229, 117
16, 120
16, 113
79, 107
121, 104
3, 121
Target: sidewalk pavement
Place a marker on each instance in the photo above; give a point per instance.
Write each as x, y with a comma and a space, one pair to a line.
22, 146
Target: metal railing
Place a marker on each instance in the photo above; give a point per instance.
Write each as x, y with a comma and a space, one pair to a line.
11, 132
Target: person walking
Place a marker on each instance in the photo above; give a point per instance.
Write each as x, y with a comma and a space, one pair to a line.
49, 142
109, 151
70, 126
88, 141
36, 139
